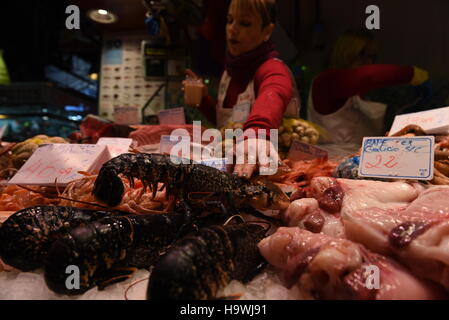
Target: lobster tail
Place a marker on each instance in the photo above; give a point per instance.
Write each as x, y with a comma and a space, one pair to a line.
108, 187
198, 265
61, 275
26, 236
167, 281
91, 254
74, 261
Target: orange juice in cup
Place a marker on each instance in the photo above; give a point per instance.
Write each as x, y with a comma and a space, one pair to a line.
193, 92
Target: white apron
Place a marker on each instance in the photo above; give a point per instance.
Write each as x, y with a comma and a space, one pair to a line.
240, 112
348, 125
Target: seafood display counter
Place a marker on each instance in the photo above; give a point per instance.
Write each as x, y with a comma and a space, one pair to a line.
145, 228
104, 246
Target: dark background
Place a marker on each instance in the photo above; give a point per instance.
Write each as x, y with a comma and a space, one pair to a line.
413, 32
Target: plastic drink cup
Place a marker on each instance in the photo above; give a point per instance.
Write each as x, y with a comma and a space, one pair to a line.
193, 92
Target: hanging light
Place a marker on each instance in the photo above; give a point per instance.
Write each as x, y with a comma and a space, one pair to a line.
102, 16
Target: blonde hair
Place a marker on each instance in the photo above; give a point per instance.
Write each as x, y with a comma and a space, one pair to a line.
349, 47
266, 9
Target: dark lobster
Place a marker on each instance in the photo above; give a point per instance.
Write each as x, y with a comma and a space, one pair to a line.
197, 266
183, 179
108, 250
26, 236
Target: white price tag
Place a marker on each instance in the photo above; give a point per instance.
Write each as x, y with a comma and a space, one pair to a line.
116, 146
61, 162
432, 121
217, 163
397, 158
172, 116
168, 142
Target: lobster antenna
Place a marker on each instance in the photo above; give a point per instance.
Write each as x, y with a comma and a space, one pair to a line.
64, 198
132, 285
232, 218
262, 222
56, 186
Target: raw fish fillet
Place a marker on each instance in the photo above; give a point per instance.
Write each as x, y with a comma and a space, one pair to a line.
328, 268
417, 235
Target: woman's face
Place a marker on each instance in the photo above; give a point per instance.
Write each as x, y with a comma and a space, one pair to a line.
244, 31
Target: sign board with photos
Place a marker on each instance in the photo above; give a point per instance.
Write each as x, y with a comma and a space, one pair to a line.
123, 87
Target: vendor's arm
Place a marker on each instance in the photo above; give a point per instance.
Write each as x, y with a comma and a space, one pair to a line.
274, 91
333, 87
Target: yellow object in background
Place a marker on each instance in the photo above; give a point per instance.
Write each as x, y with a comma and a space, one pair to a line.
4, 75
419, 76
22, 151
293, 129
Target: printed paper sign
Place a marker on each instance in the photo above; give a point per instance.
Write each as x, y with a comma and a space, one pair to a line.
432, 122
240, 112
303, 151
217, 163
172, 116
397, 158
168, 142
61, 162
116, 146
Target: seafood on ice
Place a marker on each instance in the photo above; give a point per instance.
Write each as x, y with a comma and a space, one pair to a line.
323, 267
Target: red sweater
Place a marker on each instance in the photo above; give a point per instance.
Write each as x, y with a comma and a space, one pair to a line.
332, 88
273, 89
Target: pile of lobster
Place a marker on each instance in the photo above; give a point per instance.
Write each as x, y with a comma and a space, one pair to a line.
194, 247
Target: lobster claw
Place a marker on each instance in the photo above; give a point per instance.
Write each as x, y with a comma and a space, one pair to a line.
266, 195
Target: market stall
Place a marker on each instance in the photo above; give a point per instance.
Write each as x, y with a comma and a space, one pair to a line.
158, 189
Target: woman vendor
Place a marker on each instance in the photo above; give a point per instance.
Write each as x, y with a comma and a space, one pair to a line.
256, 87
335, 99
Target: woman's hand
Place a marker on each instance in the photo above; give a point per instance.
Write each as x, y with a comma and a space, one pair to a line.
255, 153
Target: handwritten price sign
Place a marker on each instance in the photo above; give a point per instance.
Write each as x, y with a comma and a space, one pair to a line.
61, 162
397, 158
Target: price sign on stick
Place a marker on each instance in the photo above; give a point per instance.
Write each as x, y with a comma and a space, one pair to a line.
397, 158
61, 162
